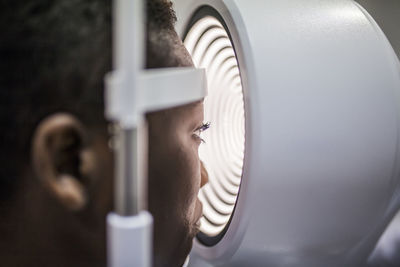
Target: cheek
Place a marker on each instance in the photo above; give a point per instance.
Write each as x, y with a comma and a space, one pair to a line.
193, 178
194, 161
174, 171
187, 174
190, 163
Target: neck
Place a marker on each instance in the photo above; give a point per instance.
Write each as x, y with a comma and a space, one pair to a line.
39, 231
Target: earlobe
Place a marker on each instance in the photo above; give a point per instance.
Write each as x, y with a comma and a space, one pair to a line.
57, 149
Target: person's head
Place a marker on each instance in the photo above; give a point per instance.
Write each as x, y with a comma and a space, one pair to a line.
56, 179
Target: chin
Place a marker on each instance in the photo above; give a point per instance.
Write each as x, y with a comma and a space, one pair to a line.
188, 243
168, 256
185, 252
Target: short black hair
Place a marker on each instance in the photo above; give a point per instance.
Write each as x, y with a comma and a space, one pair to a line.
53, 58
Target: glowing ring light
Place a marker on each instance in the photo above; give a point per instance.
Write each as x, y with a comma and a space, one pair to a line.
209, 44
321, 118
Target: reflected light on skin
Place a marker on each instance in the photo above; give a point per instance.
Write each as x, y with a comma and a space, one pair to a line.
175, 177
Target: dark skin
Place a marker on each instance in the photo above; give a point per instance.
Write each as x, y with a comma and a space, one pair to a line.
58, 216
181, 172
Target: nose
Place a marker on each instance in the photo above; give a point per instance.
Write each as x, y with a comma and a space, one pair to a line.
204, 175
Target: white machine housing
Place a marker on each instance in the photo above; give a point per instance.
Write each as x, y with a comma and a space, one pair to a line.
322, 102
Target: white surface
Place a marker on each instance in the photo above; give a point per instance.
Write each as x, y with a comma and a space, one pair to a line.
158, 89
387, 252
129, 240
128, 36
321, 85
170, 87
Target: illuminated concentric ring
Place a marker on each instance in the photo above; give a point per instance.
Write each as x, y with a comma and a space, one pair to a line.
223, 153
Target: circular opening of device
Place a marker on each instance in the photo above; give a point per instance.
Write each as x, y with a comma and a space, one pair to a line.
208, 42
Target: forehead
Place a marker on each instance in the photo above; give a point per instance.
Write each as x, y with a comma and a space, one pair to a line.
192, 111
187, 115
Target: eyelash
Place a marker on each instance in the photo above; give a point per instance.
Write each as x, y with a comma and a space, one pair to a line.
201, 129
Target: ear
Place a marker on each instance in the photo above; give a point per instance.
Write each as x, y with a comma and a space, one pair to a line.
59, 158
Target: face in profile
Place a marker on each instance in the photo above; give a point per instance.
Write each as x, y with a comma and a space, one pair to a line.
175, 179
175, 175
175, 171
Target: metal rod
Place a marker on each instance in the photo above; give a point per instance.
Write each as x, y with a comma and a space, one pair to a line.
127, 170
129, 41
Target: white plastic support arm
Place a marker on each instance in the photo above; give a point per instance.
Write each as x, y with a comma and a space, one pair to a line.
159, 89
129, 240
171, 87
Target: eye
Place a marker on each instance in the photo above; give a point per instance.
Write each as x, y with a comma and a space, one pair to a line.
199, 130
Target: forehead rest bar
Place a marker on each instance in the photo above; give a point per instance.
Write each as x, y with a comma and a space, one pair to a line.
171, 87
159, 89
